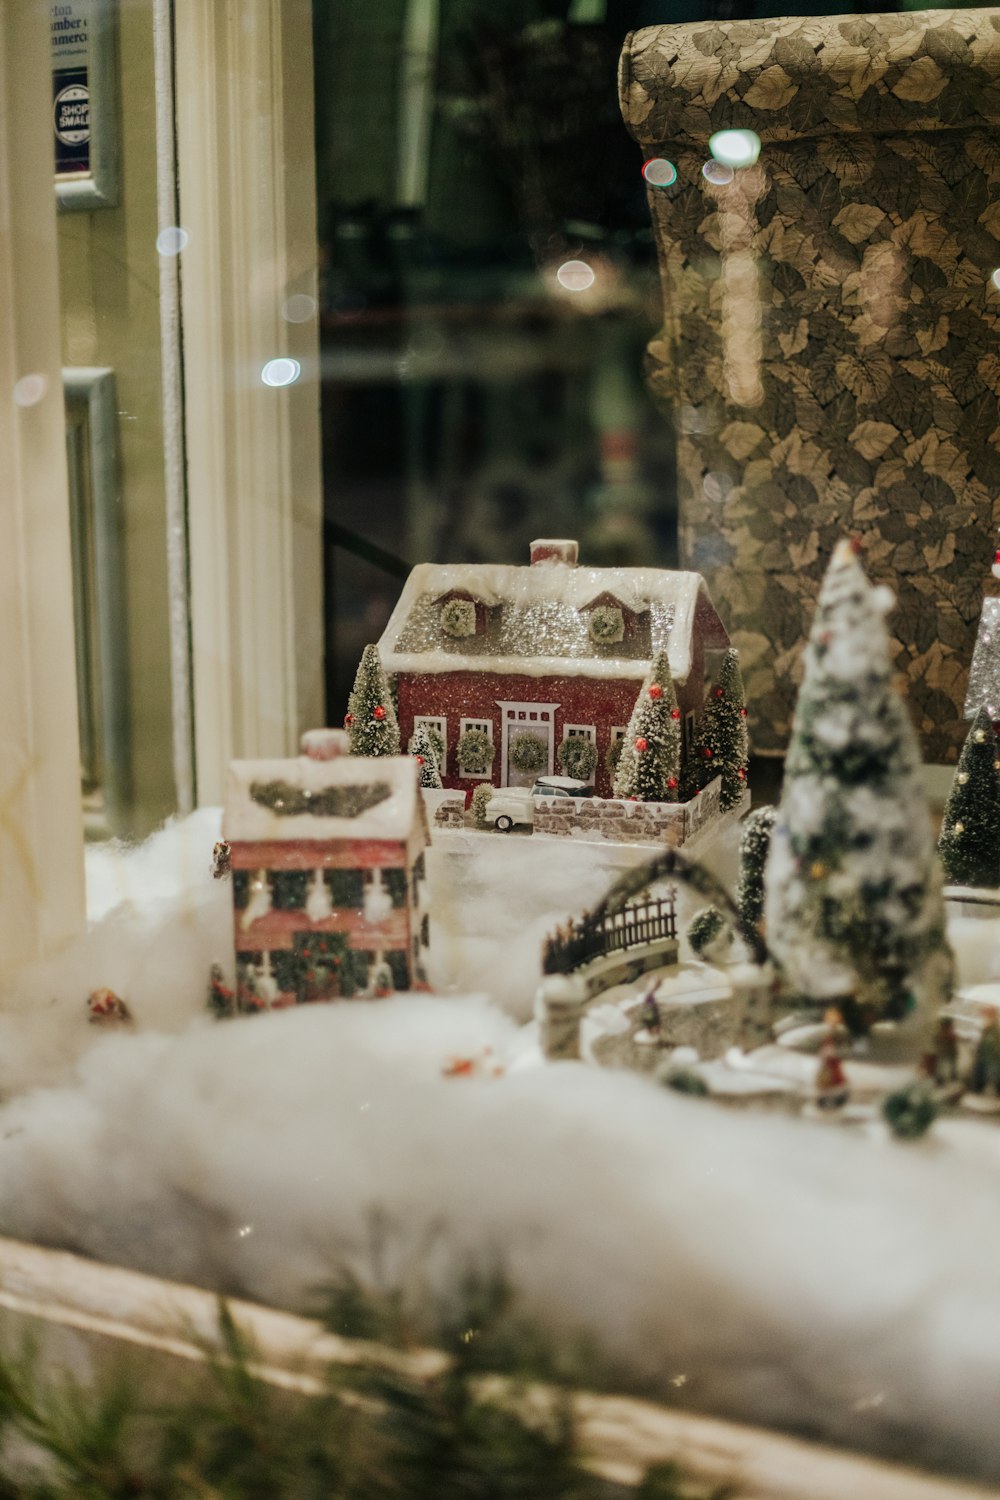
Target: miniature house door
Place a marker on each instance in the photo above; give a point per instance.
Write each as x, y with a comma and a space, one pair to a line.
536, 721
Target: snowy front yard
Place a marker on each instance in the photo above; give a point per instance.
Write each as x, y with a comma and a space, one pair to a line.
834, 1282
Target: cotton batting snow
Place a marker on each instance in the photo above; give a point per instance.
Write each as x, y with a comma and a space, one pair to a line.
796, 1274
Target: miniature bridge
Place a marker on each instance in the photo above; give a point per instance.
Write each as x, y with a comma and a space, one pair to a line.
640, 925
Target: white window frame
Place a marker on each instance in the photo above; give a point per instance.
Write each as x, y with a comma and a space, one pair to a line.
438, 722
463, 725
583, 732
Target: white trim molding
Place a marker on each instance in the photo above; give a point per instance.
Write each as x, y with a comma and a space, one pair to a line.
41, 817
245, 156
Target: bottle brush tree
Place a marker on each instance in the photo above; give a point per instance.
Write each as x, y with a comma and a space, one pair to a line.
371, 715
755, 841
649, 767
721, 746
970, 830
853, 904
422, 749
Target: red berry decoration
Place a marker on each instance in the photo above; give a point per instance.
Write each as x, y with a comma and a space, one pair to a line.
656, 691
718, 692
420, 760
641, 744
743, 713
380, 712
708, 752
348, 720
671, 782
741, 774
675, 713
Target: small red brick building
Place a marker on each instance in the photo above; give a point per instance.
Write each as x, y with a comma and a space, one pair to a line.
328, 868
553, 650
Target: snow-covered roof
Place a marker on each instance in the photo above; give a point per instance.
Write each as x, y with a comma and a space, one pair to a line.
537, 623
984, 675
363, 797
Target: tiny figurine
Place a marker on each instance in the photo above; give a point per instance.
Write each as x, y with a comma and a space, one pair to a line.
944, 1069
328, 866
221, 860
221, 999
107, 1009
649, 1011
831, 1080
985, 1078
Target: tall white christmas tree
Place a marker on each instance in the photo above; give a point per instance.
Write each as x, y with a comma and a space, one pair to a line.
853, 905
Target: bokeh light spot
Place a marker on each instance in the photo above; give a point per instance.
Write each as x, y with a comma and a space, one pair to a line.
995, 278
717, 172
659, 172
735, 148
30, 389
575, 276
298, 308
279, 372
172, 240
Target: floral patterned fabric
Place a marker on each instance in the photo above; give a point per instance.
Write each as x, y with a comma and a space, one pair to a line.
830, 348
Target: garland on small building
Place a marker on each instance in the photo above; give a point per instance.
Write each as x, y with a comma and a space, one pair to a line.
289, 801
527, 754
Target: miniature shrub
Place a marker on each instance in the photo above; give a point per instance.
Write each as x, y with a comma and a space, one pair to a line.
577, 757
480, 798
910, 1112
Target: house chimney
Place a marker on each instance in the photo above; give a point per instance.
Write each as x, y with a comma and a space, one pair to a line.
559, 551
325, 744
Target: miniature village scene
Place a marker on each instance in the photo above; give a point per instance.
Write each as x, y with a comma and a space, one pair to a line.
792, 957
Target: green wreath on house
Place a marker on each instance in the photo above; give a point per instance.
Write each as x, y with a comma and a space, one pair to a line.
606, 625
613, 755
577, 757
458, 618
475, 753
527, 754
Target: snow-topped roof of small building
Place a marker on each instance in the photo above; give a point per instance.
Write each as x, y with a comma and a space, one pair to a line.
536, 621
354, 797
984, 674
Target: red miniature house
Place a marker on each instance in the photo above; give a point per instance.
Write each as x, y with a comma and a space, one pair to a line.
552, 650
327, 868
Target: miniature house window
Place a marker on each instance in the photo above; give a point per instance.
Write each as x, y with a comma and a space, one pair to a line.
606, 625
578, 752
458, 617
475, 747
396, 884
347, 887
689, 730
425, 931
618, 733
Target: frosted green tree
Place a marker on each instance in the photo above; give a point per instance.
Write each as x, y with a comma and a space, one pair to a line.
970, 830
649, 768
422, 748
853, 906
721, 746
755, 841
371, 714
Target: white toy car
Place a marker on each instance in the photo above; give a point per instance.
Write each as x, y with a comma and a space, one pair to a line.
512, 805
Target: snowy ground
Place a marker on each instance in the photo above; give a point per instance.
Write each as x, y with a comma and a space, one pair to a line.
777, 1270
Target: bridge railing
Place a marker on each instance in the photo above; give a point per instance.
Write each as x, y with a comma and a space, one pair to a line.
635, 926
